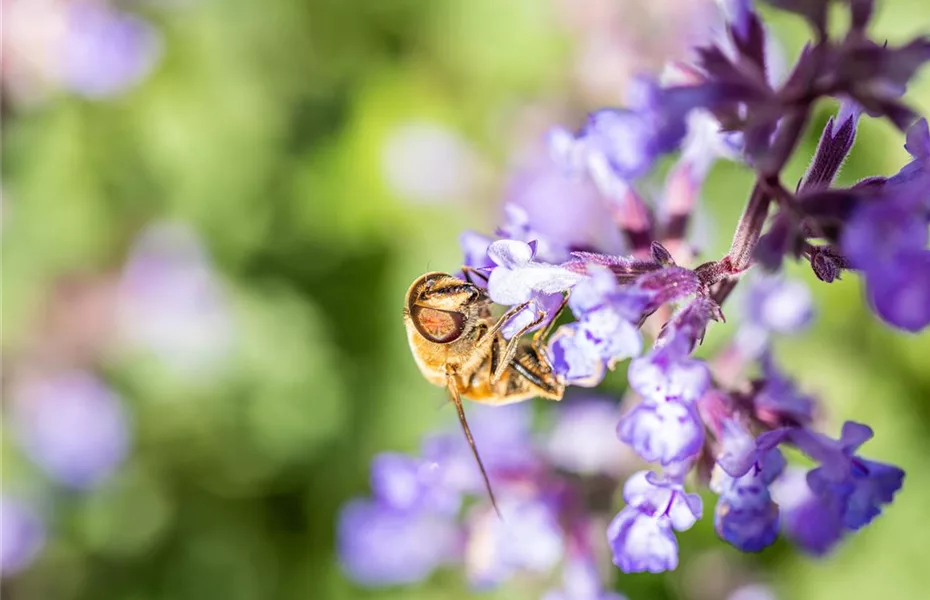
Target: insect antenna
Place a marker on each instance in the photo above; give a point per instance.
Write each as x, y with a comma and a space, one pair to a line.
457, 400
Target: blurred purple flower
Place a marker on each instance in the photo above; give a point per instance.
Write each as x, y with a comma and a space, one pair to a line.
810, 521
858, 487
171, 303
526, 537
72, 425
105, 51
539, 190
616, 146
779, 401
22, 535
380, 545
584, 439
580, 581
772, 304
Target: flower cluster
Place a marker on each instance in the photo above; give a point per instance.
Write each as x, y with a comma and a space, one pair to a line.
708, 422
423, 514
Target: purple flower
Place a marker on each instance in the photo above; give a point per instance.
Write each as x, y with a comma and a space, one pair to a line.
580, 581
405, 482
918, 146
617, 146
901, 294
856, 486
475, 248
812, 522
171, 303
381, 545
537, 209
640, 542
72, 425
584, 439
667, 374
665, 432
779, 401
745, 515
517, 278
502, 434
22, 536
526, 537
106, 52
779, 305
605, 332
737, 453
641, 536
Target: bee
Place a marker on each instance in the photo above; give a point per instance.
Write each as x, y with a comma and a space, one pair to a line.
458, 344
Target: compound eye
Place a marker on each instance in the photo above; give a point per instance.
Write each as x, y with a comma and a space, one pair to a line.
439, 326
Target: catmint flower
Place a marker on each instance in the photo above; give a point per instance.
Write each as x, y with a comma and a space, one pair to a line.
525, 537
604, 333
171, 303
104, 51
859, 486
745, 515
641, 536
580, 581
583, 439
616, 146
535, 209
72, 425
810, 521
475, 249
382, 545
406, 482
773, 304
778, 401
517, 278
22, 535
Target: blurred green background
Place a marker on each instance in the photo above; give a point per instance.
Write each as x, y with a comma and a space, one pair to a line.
327, 152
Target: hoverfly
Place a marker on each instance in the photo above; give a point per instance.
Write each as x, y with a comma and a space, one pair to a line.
457, 343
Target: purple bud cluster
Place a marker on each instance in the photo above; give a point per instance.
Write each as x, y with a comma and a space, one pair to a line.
709, 422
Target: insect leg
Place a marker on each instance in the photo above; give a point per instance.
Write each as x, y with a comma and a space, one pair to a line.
453, 388
490, 333
512, 345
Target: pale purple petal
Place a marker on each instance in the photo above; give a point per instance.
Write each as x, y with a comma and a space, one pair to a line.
379, 545
737, 449
72, 425
22, 535
510, 254
642, 543
665, 432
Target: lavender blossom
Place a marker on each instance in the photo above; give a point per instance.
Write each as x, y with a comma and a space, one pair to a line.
745, 515
641, 535
583, 439
580, 581
382, 545
22, 535
172, 305
72, 426
105, 51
